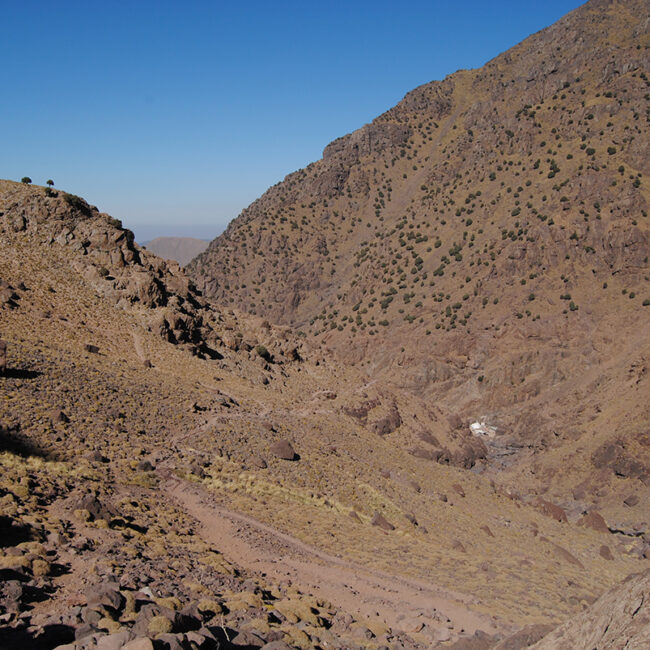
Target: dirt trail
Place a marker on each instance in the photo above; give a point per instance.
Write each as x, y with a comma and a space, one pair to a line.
400, 603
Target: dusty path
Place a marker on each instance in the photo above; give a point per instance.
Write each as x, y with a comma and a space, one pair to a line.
399, 603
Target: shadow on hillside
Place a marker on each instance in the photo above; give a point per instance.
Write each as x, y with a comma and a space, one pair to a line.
20, 373
48, 637
14, 442
11, 534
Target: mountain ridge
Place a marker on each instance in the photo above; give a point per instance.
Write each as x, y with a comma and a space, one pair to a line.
483, 245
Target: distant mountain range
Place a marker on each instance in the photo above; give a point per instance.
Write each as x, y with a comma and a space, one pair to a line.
180, 249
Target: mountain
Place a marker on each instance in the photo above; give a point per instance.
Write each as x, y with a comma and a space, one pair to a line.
179, 249
178, 471
484, 246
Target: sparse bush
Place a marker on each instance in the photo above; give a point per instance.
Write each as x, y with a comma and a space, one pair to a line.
77, 203
26, 179
263, 352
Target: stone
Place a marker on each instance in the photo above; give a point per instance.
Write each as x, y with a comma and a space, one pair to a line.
631, 501
113, 641
594, 520
141, 643
283, 449
388, 423
57, 416
107, 595
379, 520
3, 357
248, 639
457, 545
605, 552
551, 510
171, 641
92, 349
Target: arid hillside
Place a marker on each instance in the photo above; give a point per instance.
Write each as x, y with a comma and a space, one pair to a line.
485, 246
177, 472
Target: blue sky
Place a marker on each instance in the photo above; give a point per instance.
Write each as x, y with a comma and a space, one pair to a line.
174, 116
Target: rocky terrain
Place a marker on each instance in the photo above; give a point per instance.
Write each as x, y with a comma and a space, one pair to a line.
484, 246
443, 443
182, 475
179, 249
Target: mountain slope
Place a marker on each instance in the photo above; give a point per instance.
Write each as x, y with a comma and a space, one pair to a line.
484, 244
130, 441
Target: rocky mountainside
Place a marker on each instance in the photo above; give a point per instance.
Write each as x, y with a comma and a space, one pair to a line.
178, 474
179, 249
618, 619
484, 245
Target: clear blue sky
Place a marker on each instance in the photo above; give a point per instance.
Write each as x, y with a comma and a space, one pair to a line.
173, 116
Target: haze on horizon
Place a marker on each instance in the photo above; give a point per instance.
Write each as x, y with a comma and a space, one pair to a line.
175, 118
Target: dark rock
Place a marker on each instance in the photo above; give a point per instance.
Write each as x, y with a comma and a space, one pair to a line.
615, 457
85, 630
631, 501
457, 545
388, 423
429, 438
144, 466
97, 457
379, 520
249, 639
107, 594
458, 488
92, 349
258, 461
595, 521
565, 555
283, 449
524, 638
3, 357
57, 416
11, 593
91, 502
171, 641
605, 552
552, 510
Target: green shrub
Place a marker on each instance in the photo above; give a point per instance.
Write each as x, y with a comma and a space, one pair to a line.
263, 352
77, 203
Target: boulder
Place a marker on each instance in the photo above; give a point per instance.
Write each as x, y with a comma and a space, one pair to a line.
283, 449
551, 510
605, 552
388, 423
595, 521
379, 520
